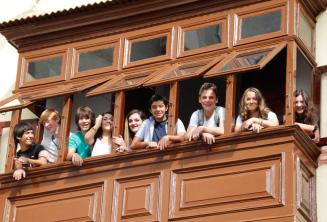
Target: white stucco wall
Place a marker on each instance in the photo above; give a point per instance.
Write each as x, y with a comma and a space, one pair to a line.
321, 46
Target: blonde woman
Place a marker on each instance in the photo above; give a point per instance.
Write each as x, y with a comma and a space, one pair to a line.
254, 113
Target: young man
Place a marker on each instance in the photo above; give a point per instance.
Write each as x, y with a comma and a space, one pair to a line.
50, 119
207, 122
78, 148
153, 131
30, 154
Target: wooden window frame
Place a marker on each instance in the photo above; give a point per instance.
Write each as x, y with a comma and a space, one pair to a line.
202, 23
18, 96
275, 49
256, 10
65, 55
156, 78
93, 46
311, 23
148, 36
109, 86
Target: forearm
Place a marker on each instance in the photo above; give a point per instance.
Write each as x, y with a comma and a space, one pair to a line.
216, 131
39, 162
306, 127
138, 144
89, 135
177, 138
70, 154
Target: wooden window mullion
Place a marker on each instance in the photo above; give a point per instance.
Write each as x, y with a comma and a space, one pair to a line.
173, 107
15, 119
119, 110
65, 128
230, 104
290, 82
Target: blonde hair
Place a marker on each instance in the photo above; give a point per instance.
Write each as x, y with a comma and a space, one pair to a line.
49, 114
263, 110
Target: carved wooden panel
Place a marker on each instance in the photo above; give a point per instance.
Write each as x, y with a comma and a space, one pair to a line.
305, 200
72, 204
137, 198
216, 188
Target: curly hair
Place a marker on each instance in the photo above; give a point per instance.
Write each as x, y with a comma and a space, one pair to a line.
310, 115
263, 110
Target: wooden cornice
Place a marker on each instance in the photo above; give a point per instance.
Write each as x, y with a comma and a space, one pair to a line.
223, 144
315, 6
103, 20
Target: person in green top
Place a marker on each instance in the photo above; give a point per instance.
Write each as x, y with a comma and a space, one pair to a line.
78, 148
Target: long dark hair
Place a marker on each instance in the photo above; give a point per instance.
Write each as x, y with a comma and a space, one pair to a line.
310, 115
100, 131
128, 134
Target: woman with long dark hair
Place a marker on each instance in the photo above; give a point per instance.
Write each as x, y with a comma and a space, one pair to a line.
306, 116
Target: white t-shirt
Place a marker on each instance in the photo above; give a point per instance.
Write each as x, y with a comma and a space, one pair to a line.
100, 148
271, 117
50, 144
207, 122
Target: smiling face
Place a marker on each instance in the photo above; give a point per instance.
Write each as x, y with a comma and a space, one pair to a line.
158, 110
299, 104
84, 123
251, 102
134, 122
26, 140
51, 125
208, 100
107, 122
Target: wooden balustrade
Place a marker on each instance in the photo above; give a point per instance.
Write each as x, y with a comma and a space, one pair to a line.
263, 177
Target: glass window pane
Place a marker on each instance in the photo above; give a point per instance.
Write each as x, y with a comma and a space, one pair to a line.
303, 73
261, 24
305, 32
202, 37
148, 48
244, 61
95, 59
44, 68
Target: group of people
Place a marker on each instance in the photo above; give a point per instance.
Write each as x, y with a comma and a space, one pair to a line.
94, 136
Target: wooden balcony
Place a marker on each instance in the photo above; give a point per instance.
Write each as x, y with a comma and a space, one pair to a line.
263, 177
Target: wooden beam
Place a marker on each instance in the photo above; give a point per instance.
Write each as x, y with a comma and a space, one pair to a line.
65, 127
119, 111
230, 104
173, 107
15, 119
290, 82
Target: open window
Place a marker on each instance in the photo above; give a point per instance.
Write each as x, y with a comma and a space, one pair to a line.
247, 60
15, 101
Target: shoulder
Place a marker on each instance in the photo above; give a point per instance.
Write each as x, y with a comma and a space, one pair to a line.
271, 116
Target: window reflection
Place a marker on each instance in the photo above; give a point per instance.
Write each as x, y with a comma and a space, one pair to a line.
202, 37
95, 59
148, 48
244, 61
44, 68
261, 24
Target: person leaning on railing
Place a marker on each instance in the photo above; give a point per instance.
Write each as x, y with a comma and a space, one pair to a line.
254, 113
306, 116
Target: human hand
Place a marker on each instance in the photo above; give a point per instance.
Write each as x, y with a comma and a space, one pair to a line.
77, 160
19, 174
151, 145
163, 142
98, 121
208, 138
23, 160
119, 141
196, 133
255, 127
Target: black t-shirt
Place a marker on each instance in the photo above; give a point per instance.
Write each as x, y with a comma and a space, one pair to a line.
31, 153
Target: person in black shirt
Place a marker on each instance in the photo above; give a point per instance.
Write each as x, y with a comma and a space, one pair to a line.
30, 154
